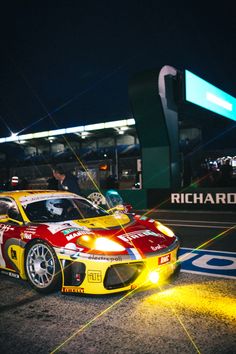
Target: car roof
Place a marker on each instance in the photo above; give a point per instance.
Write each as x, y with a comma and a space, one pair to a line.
25, 193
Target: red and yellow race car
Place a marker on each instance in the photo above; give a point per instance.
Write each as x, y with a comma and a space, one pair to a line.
59, 240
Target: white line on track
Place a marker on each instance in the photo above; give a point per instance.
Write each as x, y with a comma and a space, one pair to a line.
209, 274
199, 221
187, 223
198, 226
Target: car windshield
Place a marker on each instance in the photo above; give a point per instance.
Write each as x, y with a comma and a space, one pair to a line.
56, 210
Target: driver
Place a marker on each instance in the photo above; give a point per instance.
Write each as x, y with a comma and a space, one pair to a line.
54, 207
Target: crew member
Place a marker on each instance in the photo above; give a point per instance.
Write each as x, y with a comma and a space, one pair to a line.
66, 181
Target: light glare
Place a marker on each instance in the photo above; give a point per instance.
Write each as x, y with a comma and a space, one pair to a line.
104, 244
154, 277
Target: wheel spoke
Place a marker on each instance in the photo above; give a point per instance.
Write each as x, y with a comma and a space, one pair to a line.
47, 278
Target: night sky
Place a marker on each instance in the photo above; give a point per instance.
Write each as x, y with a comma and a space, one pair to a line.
68, 63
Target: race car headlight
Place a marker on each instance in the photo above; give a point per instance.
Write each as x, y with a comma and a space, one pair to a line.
100, 244
104, 244
164, 229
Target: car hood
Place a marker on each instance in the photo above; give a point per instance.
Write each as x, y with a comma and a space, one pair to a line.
127, 230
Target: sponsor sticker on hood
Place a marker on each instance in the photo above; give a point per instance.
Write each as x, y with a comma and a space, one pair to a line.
77, 234
130, 236
67, 227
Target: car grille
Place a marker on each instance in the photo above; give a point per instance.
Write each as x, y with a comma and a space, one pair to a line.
121, 275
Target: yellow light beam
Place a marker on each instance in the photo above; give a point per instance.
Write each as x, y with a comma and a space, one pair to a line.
217, 236
209, 241
185, 329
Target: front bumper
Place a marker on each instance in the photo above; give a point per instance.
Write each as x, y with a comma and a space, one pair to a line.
105, 275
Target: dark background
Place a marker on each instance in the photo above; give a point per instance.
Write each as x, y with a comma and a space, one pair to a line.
68, 63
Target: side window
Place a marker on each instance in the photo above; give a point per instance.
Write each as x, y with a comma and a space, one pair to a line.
4, 206
9, 207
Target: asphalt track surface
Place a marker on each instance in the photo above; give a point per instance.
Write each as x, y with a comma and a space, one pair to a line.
196, 313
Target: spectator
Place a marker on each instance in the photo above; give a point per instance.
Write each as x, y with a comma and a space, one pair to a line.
24, 184
66, 181
226, 174
52, 183
112, 182
12, 184
187, 172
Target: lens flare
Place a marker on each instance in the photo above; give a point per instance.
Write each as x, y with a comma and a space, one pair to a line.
154, 277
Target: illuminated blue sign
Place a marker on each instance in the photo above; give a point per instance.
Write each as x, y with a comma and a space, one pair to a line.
203, 94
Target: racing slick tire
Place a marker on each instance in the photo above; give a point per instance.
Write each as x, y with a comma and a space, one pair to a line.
42, 267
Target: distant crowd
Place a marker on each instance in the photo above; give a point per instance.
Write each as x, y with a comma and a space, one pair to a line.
60, 180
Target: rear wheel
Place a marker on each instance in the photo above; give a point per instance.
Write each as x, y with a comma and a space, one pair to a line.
42, 267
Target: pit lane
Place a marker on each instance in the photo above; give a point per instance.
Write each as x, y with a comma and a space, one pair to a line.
194, 314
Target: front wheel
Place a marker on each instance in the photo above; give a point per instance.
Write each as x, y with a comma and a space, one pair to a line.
42, 267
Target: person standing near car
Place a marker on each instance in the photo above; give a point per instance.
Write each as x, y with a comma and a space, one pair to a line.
66, 181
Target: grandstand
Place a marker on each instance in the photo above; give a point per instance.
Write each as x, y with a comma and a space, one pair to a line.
91, 152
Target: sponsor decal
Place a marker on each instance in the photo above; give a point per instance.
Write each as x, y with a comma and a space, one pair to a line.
77, 278
56, 227
71, 250
26, 236
156, 248
72, 289
29, 232
164, 259
77, 234
42, 196
105, 259
13, 254
133, 286
134, 253
65, 228
3, 228
70, 247
74, 229
75, 255
94, 276
130, 236
203, 198
10, 274
31, 229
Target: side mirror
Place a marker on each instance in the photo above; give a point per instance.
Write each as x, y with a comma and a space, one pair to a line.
121, 208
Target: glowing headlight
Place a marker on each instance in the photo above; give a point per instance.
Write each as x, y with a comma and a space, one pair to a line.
100, 244
153, 277
165, 230
104, 244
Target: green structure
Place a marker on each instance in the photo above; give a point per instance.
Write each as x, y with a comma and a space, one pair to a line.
156, 96
152, 95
